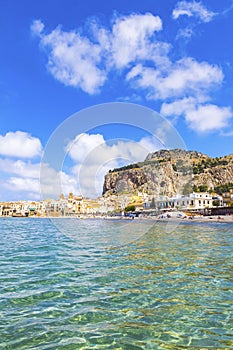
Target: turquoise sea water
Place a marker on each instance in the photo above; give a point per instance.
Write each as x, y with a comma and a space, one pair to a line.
66, 289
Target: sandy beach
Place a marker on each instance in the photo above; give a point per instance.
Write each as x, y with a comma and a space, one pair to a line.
196, 218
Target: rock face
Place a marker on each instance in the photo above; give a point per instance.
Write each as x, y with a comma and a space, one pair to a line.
124, 181
168, 172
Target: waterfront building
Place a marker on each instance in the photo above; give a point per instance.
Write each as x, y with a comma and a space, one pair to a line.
195, 201
91, 206
227, 198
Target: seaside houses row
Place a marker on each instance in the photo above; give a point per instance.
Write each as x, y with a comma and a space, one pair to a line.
70, 206
77, 205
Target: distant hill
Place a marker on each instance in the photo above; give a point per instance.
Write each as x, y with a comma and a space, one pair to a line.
169, 172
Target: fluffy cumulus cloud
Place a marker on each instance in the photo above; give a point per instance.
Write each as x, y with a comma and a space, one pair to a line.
20, 168
23, 185
178, 107
192, 9
94, 149
19, 165
54, 182
132, 49
73, 60
185, 77
93, 157
131, 39
76, 60
208, 117
20, 179
200, 115
20, 144
82, 145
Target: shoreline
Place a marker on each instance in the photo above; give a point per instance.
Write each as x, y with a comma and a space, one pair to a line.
195, 218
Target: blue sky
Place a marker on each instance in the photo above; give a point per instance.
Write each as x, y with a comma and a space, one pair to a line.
60, 57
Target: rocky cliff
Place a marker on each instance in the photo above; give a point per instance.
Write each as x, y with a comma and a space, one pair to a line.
168, 172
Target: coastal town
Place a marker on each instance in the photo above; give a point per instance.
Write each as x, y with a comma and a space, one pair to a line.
203, 203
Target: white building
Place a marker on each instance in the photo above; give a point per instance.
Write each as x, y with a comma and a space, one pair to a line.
202, 200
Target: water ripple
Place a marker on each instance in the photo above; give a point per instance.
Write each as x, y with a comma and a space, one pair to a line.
164, 291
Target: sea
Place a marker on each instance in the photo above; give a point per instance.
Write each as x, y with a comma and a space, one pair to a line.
115, 284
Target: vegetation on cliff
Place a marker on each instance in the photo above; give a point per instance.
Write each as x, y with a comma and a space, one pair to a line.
168, 172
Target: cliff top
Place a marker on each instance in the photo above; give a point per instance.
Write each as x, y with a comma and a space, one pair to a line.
174, 154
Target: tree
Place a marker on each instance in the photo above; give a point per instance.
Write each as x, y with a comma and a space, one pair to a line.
203, 188
195, 189
130, 208
152, 204
187, 189
216, 203
223, 188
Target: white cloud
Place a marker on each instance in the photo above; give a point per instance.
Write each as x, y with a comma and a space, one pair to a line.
20, 179
151, 144
192, 9
190, 75
208, 117
53, 183
177, 107
21, 168
185, 33
95, 150
22, 184
74, 60
27, 182
20, 144
77, 61
37, 27
82, 145
130, 49
199, 115
131, 39
130, 46
185, 77
69, 183
93, 157
180, 107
